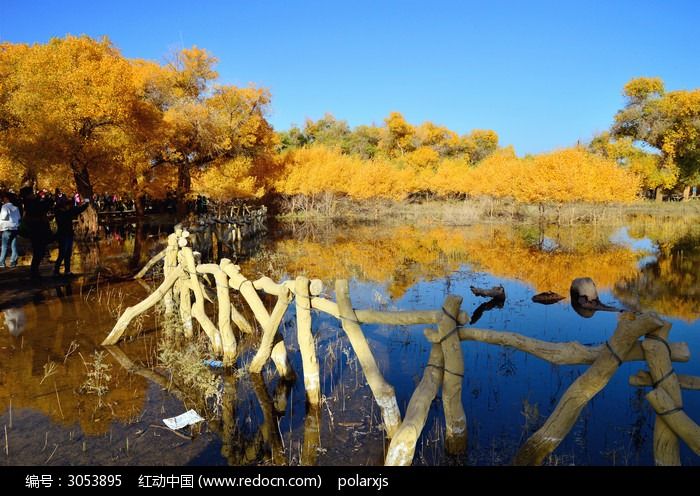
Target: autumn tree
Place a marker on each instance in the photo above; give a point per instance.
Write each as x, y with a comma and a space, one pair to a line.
69, 104
666, 121
207, 126
646, 165
397, 137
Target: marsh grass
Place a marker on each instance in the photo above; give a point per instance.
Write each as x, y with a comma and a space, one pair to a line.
97, 378
203, 389
455, 211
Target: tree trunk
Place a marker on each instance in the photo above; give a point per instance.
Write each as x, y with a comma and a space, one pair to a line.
140, 206
686, 193
82, 180
184, 183
29, 178
659, 195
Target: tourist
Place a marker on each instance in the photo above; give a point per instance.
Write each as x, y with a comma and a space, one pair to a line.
36, 224
65, 214
9, 224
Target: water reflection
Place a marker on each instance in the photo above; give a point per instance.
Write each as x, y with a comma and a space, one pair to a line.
52, 338
15, 320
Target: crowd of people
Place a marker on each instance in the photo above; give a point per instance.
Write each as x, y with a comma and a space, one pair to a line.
28, 215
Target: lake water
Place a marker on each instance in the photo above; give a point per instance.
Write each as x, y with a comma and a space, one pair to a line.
54, 414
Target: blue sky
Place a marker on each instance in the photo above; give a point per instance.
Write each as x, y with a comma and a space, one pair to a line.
543, 74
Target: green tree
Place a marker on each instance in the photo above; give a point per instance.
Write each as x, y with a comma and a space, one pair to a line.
667, 121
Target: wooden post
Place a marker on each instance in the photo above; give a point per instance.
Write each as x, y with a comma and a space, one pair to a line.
383, 391
455, 418
186, 306
307, 344
132, 312
224, 308
269, 331
312, 437
563, 418
198, 311
676, 419
403, 444
658, 356
169, 263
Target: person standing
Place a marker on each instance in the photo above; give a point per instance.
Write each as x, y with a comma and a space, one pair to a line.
9, 224
37, 226
65, 214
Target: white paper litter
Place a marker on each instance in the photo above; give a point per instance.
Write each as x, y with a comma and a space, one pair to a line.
188, 418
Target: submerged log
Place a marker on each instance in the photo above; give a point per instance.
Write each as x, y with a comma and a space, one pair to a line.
496, 292
547, 298
307, 344
383, 392
403, 444
455, 418
567, 353
629, 329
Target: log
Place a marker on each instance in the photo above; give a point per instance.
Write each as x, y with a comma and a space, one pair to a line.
629, 328
643, 379
224, 311
383, 392
240, 321
307, 344
245, 287
198, 312
682, 425
154, 260
131, 312
567, 353
281, 360
547, 298
455, 418
269, 332
270, 287
666, 446
496, 292
403, 445
388, 318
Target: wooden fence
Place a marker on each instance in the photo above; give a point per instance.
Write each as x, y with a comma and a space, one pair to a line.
638, 337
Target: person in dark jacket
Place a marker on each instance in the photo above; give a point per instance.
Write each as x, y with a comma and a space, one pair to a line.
37, 226
65, 214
